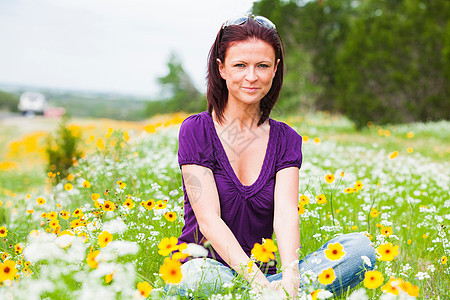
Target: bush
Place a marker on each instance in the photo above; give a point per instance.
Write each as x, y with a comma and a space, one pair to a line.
62, 150
8, 102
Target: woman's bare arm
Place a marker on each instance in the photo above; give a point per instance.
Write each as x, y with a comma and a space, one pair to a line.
286, 226
206, 207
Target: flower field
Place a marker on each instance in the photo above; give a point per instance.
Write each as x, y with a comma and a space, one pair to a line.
109, 229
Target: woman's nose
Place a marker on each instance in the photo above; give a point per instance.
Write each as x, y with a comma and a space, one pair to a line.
251, 75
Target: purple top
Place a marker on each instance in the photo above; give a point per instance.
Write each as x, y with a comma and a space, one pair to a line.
247, 210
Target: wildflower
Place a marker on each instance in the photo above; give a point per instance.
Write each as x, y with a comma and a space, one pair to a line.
109, 277
64, 214
329, 178
170, 216
144, 288
100, 144
410, 135
7, 270
334, 251
366, 260
359, 185
387, 251
149, 204
104, 239
95, 196
18, 248
54, 224
128, 203
321, 199
167, 245
304, 199
86, 184
301, 209
425, 236
374, 213
410, 150
90, 259
126, 136
3, 231
327, 276
40, 201
30, 211
170, 271
160, 204
108, 206
250, 266
342, 174
392, 286
77, 213
349, 190
75, 223
265, 251
408, 287
51, 174
373, 279
386, 231
305, 138
393, 155
316, 140
443, 258
68, 186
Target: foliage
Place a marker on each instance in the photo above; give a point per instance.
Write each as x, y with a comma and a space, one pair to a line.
183, 95
62, 150
380, 61
9, 102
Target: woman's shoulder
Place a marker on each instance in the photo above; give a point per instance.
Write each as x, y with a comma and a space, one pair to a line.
195, 122
286, 131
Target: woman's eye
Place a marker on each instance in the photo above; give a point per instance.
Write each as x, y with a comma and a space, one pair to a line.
239, 65
263, 66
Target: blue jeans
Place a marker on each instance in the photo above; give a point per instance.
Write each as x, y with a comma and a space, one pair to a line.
210, 276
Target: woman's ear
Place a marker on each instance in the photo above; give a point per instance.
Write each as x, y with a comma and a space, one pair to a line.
275, 69
220, 66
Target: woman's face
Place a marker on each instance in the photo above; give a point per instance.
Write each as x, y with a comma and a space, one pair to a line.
248, 70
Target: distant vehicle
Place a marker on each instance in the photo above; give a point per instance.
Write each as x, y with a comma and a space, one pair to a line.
32, 103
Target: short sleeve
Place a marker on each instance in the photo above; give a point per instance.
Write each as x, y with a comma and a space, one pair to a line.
290, 151
194, 143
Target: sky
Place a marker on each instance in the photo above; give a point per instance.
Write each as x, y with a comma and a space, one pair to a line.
117, 46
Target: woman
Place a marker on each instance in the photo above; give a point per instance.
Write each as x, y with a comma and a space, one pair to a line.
240, 172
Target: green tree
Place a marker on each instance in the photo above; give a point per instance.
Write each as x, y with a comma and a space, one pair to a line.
9, 102
183, 94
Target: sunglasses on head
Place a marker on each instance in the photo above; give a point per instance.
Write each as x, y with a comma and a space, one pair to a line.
263, 21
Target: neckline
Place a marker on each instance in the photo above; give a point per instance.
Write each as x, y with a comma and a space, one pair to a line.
226, 160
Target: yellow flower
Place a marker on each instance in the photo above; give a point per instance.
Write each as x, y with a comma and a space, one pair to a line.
108, 206
40, 200
374, 213
425, 236
77, 213
358, 185
68, 186
387, 251
64, 214
170, 216
410, 150
86, 184
7, 270
321, 199
392, 286
109, 277
316, 140
349, 190
90, 259
304, 199
373, 279
386, 231
161, 204
250, 266
327, 276
393, 155
265, 251
170, 271
100, 144
104, 239
167, 245
95, 196
144, 288
128, 203
329, 178
18, 248
70, 177
54, 224
410, 135
3, 231
301, 209
342, 174
443, 258
334, 251
126, 136
30, 211
305, 138
409, 288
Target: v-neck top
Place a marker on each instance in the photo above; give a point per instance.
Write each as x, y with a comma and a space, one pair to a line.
248, 210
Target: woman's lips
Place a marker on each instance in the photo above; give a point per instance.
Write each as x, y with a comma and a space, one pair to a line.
250, 89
